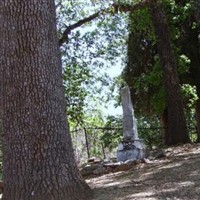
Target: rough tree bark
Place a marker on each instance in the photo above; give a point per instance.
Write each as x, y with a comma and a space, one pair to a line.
196, 4
192, 50
198, 120
164, 126
37, 151
190, 46
196, 70
176, 117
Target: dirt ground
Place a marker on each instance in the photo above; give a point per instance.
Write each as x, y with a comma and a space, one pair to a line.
175, 177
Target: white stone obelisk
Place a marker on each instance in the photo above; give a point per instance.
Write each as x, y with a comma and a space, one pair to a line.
129, 122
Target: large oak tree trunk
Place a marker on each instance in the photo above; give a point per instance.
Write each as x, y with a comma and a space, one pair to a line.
176, 117
37, 151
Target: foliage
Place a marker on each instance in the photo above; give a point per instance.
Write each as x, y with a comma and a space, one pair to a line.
189, 94
86, 136
143, 71
112, 132
90, 50
95, 46
149, 129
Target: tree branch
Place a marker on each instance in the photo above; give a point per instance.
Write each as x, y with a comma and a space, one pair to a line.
65, 34
117, 8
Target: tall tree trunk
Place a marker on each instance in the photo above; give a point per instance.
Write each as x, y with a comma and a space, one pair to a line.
164, 125
37, 151
198, 120
190, 46
176, 117
195, 67
194, 55
197, 10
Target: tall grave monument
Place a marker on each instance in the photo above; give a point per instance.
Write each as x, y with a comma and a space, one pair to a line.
131, 147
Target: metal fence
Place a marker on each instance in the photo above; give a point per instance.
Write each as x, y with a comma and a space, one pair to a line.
102, 142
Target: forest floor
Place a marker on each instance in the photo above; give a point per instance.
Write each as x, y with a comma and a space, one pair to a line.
175, 177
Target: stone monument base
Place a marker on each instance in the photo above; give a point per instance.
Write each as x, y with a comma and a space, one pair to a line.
131, 150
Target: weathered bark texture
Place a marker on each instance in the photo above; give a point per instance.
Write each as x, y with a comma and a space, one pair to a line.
195, 61
197, 10
176, 117
198, 120
37, 151
192, 50
164, 125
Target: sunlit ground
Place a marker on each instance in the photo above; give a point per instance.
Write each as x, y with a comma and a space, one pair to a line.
175, 177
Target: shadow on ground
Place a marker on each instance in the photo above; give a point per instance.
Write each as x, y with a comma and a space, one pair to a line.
176, 177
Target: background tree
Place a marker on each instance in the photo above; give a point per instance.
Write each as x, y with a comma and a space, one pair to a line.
125, 8
143, 72
185, 34
191, 47
37, 150
196, 4
143, 68
176, 117
179, 10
